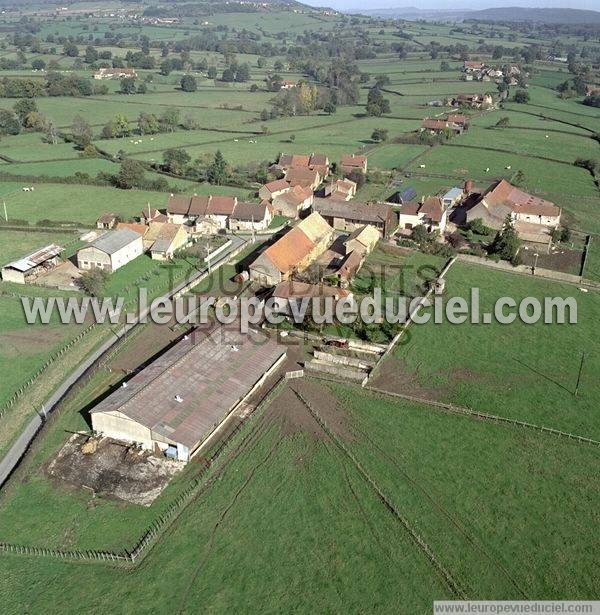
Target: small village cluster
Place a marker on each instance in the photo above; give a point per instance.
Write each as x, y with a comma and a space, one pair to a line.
323, 234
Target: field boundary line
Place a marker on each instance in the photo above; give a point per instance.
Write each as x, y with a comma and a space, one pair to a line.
414, 535
465, 411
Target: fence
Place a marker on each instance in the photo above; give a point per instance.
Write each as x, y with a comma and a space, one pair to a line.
446, 407
159, 524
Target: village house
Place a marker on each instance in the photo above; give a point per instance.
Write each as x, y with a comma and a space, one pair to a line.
472, 65
362, 240
202, 212
314, 162
293, 252
115, 73
306, 178
459, 119
348, 216
111, 250
173, 405
475, 101
26, 269
532, 215
107, 221
352, 162
292, 292
430, 213
163, 239
434, 126
273, 189
288, 85
341, 189
250, 217
292, 202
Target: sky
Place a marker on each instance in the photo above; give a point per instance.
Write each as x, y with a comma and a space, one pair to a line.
452, 4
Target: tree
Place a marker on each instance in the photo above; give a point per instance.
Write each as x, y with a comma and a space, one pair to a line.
189, 83
228, 75
9, 123
503, 122
176, 160
380, 134
71, 50
91, 54
376, 104
217, 173
24, 107
142, 88
121, 125
38, 64
329, 108
211, 73
128, 85
94, 281
170, 119
507, 244
521, 96
131, 174
148, 124
82, 131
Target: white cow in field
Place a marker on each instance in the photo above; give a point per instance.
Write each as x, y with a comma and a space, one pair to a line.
25, 189
508, 168
487, 170
421, 166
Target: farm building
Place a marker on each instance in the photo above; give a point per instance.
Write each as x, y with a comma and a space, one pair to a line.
115, 73
352, 162
341, 189
111, 250
175, 403
292, 202
163, 239
107, 221
292, 292
27, 269
362, 240
250, 217
306, 178
348, 216
434, 126
532, 215
403, 196
453, 197
295, 251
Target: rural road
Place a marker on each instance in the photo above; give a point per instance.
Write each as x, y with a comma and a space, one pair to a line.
20, 446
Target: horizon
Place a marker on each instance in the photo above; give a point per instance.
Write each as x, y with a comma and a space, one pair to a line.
429, 5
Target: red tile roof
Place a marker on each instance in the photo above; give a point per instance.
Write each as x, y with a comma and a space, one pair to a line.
504, 193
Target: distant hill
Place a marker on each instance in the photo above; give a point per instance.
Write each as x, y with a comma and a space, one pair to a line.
553, 15
539, 15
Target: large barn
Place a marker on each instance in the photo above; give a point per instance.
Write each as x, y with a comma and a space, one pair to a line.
28, 268
178, 400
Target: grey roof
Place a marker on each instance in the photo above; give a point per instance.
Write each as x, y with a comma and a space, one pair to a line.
35, 258
189, 389
353, 210
113, 241
408, 195
453, 193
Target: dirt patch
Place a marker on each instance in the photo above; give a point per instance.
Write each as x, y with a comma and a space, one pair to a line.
394, 376
113, 469
560, 259
293, 417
